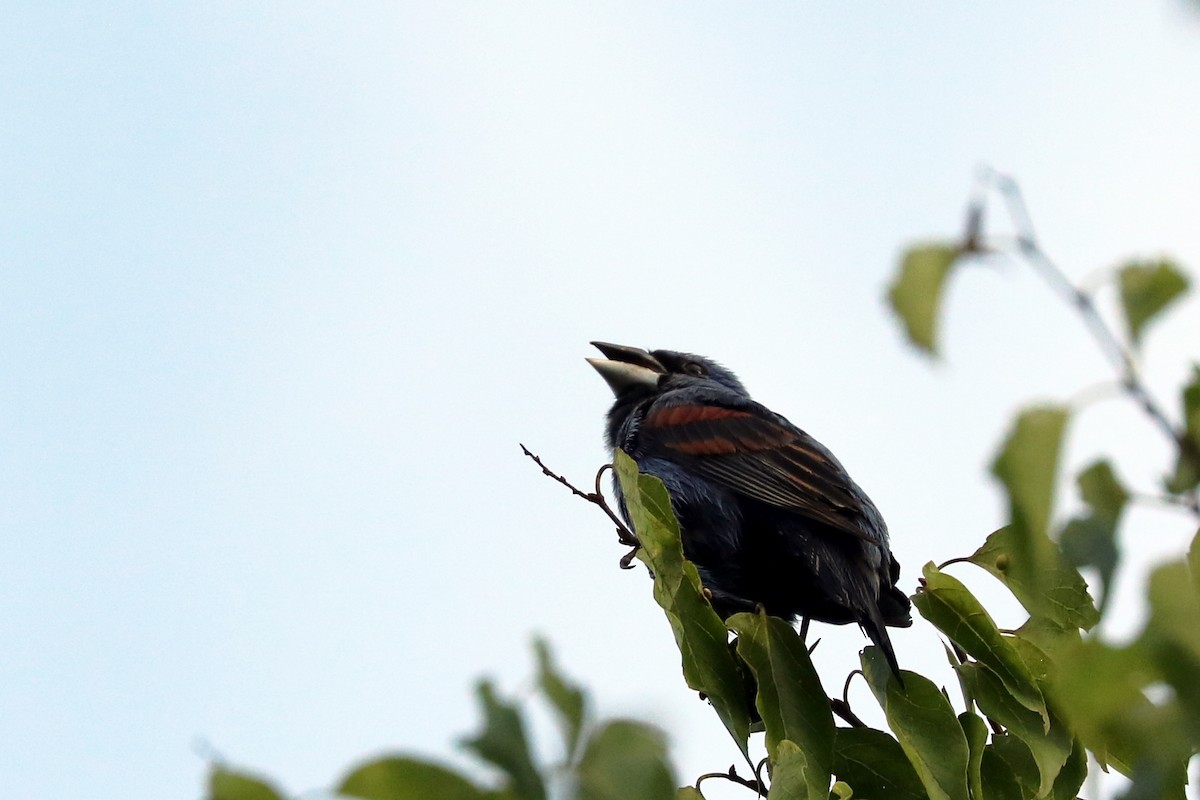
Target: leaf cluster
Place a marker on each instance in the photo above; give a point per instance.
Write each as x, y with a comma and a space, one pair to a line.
611, 760
1032, 703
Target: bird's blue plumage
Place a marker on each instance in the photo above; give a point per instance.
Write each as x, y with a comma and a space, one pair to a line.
768, 515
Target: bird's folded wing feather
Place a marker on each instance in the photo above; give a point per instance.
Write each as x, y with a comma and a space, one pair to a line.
760, 455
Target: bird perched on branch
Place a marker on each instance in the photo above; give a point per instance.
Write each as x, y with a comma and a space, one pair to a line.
767, 514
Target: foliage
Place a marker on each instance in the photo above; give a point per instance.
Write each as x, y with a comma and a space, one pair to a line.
1036, 700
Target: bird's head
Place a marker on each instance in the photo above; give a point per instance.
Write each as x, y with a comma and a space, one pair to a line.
634, 372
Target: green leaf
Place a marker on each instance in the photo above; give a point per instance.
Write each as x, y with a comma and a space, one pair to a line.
999, 780
226, 784
1049, 588
1186, 476
1019, 760
1048, 636
708, 665
625, 760
875, 766
916, 293
792, 774
1147, 288
1193, 558
951, 607
976, 731
925, 724
1050, 747
842, 791
1172, 637
1072, 775
503, 744
1098, 689
407, 779
568, 700
1175, 608
1027, 465
1158, 780
688, 793
1091, 540
791, 700
1187, 465
1102, 490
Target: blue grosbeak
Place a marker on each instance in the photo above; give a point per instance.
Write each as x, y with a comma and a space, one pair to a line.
767, 514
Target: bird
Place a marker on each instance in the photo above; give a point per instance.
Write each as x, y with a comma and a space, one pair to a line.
767, 514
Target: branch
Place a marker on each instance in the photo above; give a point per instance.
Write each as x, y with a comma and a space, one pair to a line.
624, 535
1116, 353
732, 776
842, 707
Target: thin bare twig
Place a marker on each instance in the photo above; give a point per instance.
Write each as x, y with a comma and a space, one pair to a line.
958, 560
1116, 352
758, 774
846, 685
1162, 501
732, 775
842, 707
624, 535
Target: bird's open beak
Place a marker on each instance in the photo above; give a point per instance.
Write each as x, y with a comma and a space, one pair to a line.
627, 367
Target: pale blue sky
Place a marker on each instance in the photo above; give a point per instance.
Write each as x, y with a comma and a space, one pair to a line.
285, 284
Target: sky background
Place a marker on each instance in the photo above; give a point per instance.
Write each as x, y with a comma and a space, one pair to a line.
283, 285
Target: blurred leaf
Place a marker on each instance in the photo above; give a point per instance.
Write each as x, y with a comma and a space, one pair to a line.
1193, 557
999, 781
225, 784
1147, 288
1072, 775
1102, 490
1172, 638
791, 700
1187, 465
1158, 780
925, 725
951, 607
708, 666
875, 766
1051, 589
1186, 476
916, 293
568, 700
1175, 608
976, 731
842, 791
1091, 540
407, 779
1027, 465
625, 761
503, 744
688, 793
793, 774
1032, 567
1098, 689
1049, 748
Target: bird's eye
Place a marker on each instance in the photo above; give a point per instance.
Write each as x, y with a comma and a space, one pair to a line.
692, 368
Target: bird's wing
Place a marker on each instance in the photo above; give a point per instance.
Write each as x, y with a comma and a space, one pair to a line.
758, 454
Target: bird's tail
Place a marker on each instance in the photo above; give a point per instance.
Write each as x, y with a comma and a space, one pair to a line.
872, 624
